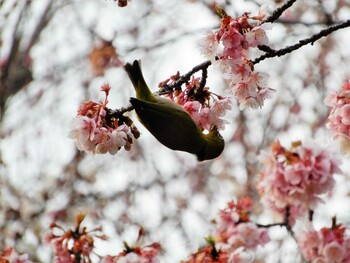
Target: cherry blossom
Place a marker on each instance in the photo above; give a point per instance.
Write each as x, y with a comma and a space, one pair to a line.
234, 238
217, 111
241, 255
104, 56
136, 253
230, 45
209, 45
95, 130
146, 254
237, 234
295, 178
10, 255
73, 245
252, 92
208, 254
326, 245
250, 236
339, 116
206, 108
193, 108
257, 36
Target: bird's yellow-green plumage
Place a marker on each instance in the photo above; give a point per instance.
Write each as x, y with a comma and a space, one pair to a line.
169, 123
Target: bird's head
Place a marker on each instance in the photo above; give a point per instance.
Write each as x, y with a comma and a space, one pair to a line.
214, 146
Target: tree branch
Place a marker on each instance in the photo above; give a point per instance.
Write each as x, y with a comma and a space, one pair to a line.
118, 113
41, 25
304, 42
186, 77
278, 12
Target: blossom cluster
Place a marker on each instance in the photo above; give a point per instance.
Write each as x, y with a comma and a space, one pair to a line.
77, 245
205, 108
209, 254
73, 245
327, 245
146, 254
103, 57
10, 255
229, 45
235, 236
136, 254
293, 179
234, 230
339, 117
95, 130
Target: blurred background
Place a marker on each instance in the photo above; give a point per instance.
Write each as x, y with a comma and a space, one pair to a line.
56, 54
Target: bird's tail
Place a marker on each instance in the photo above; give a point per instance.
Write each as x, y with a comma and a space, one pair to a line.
139, 83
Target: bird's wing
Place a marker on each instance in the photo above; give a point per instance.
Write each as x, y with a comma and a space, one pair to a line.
169, 124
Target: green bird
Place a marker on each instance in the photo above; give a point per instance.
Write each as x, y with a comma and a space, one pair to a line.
169, 123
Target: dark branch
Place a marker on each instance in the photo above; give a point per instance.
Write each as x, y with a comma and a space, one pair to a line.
327, 15
266, 49
119, 113
203, 79
304, 23
271, 225
285, 222
278, 12
310, 40
44, 19
186, 77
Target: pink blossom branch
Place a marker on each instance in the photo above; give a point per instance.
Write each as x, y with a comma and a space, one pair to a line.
186, 77
281, 52
168, 88
269, 51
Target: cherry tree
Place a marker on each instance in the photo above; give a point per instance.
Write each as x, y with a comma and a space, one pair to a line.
84, 180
